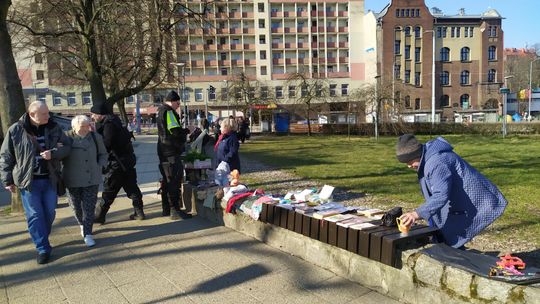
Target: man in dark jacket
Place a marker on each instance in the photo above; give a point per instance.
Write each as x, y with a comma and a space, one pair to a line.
171, 143
120, 171
459, 200
30, 160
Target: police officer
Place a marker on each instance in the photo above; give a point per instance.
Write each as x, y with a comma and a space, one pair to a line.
171, 143
120, 171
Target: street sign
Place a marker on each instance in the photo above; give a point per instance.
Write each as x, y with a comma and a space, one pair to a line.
504, 90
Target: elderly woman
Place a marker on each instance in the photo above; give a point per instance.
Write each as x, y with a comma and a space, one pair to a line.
82, 173
227, 145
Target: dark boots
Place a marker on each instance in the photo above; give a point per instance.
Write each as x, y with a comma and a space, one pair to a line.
138, 213
101, 211
179, 214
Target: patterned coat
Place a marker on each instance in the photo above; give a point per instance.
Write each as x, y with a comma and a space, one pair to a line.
459, 200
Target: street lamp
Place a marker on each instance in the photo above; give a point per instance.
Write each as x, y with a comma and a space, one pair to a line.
505, 92
377, 78
530, 87
182, 90
137, 114
227, 87
432, 76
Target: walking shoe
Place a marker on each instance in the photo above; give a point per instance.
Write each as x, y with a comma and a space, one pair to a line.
138, 214
178, 214
43, 258
82, 230
166, 212
89, 240
101, 212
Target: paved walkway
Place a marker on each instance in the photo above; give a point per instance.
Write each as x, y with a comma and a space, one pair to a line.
160, 261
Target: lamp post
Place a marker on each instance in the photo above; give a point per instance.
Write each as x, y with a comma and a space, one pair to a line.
182, 90
377, 107
137, 114
227, 87
530, 87
505, 92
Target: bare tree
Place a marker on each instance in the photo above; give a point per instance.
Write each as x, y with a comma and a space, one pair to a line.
246, 92
115, 46
312, 90
11, 94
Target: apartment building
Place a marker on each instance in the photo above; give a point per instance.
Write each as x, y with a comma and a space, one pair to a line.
266, 40
432, 60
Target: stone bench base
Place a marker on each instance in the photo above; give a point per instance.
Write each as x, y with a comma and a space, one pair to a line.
420, 280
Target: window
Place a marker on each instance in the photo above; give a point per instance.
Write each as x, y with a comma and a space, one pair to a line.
304, 91
439, 32
417, 79
40, 75
318, 90
445, 101
407, 31
397, 13
471, 31
186, 94
407, 52
224, 93
57, 100
212, 93
465, 54
292, 91
38, 58
333, 88
199, 95
264, 92
315, 54
263, 70
397, 72
223, 71
260, 7
458, 32
417, 54
464, 101
397, 47
223, 56
491, 75
417, 32
445, 54
130, 99
237, 93
417, 104
492, 31
417, 12
262, 39
445, 78
464, 77
86, 98
344, 89
279, 92
452, 31
407, 76
71, 99
444, 30
492, 51
408, 102
262, 54
407, 12
236, 41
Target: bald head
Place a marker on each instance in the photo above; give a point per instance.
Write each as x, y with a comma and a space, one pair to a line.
38, 112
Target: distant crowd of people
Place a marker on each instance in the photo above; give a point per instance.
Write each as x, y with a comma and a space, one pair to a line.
43, 162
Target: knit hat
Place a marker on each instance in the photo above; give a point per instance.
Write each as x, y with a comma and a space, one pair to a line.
99, 107
172, 96
408, 148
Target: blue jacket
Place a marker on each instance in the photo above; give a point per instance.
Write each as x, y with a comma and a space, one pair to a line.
227, 151
459, 200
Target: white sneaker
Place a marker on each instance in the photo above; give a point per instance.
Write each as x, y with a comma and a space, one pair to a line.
89, 240
82, 230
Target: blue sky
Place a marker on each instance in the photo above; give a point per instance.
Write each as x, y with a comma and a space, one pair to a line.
521, 26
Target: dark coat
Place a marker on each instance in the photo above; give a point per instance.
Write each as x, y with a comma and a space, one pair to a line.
227, 151
459, 200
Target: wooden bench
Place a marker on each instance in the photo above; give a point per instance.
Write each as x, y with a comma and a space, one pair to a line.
383, 244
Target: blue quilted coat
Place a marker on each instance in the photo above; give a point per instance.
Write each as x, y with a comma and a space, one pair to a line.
459, 200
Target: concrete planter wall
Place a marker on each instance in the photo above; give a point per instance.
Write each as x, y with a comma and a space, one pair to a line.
421, 279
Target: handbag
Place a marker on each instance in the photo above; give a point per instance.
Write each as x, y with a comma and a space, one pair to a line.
389, 218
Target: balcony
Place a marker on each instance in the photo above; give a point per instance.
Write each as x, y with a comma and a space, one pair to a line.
222, 15
303, 60
290, 30
182, 31
211, 62
302, 45
343, 59
338, 74
250, 61
224, 62
248, 46
247, 15
318, 75
278, 45
236, 46
280, 76
235, 15
313, 29
343, 44
343, 14
302, 30
315, 14
289, 14
343, 29
302, 14
322, 60
331, 45
248, 31
331, 29
277, 30
237, 62
197, 63
331, 60
290, 45
321, 29
291, 61
224, 47
321, 44
278, 61
223, 31
210, 47
276, 14
196, 47
236, 30
330, 14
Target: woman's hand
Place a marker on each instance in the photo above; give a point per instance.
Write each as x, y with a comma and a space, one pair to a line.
409, 218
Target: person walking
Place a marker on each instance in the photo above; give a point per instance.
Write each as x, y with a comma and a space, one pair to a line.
243, 126
120, 172
227, 146
171, 144
30, 160
459, 200
82, 173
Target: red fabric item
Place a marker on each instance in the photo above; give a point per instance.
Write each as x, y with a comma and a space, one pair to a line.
220, 138
237, 197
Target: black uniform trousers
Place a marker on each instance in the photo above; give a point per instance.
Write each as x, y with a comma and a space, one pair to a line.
118, 177
172, 171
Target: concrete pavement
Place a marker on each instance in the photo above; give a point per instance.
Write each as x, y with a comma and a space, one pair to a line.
160, 261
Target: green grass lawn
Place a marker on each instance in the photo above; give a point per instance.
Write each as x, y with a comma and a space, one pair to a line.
363, 165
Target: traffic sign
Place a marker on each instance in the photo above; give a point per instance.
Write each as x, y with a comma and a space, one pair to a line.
504, 90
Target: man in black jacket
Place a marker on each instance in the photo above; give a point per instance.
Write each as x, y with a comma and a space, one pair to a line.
171, 142
120, 171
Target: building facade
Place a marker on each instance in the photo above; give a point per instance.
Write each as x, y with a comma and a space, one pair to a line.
450, 63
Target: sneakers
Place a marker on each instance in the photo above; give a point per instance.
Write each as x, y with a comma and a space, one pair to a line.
89, 240
43, 258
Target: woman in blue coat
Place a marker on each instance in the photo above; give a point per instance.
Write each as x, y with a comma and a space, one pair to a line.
459, 200
227, 145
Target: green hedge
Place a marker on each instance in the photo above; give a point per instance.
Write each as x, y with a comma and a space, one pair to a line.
391, 129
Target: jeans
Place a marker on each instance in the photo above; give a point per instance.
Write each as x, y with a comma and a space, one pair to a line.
39, 207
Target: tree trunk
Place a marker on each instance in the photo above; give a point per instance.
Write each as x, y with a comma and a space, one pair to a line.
308, 121
11, 94
122, 109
